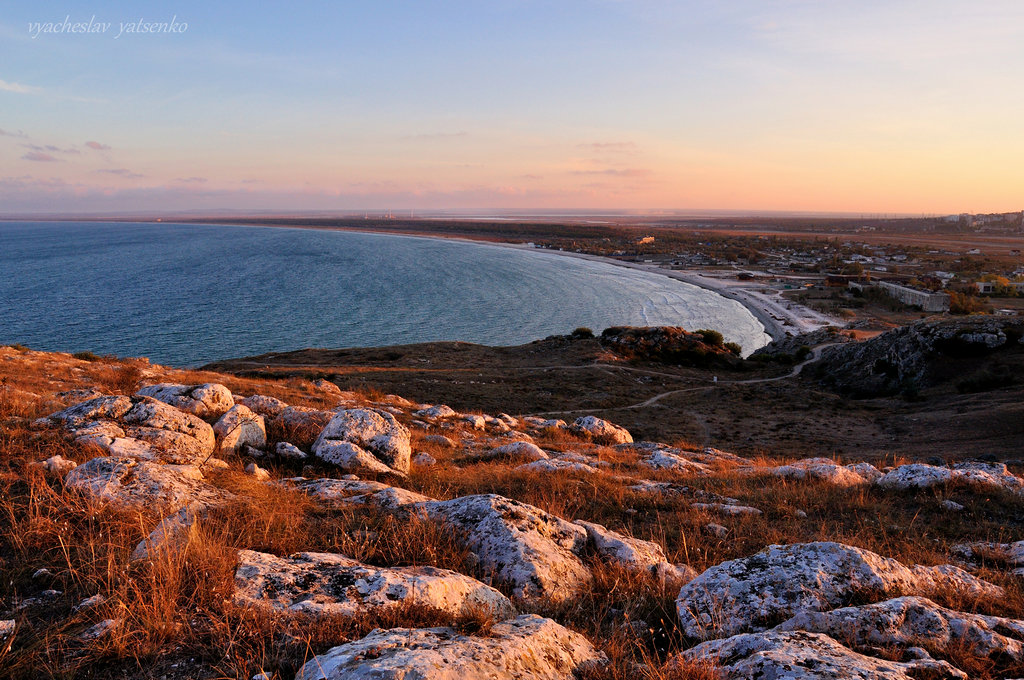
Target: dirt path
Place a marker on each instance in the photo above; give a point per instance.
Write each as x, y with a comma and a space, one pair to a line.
815, 355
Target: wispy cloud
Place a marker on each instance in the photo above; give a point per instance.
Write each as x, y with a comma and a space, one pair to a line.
192, 180
8, 133
96, 146
121, 172
611, 147
6, 86
436, 135
50, 148
615, 172
40, 157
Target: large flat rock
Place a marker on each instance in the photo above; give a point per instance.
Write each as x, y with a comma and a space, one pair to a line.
757, 592
322, 584
526, 648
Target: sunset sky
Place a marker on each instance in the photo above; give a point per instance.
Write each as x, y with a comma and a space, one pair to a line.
810, 105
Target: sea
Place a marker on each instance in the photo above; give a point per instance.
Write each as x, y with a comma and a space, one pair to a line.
188, 294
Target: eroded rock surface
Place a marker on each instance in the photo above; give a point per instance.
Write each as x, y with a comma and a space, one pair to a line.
241, 427
916, 621
356, 491
799, 655
755, 593
143, 485
209, 400
534, 552
923, 476
602, 431
525, 647
827, 470
375, 432
328, 584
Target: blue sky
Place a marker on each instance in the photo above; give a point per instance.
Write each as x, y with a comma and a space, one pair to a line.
900, 106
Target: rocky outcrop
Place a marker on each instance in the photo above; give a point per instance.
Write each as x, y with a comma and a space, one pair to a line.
535, 553
209, 400
519, 450
1009, 554
913, 356
634, 554
154, 414
827, 470
268, 407
557, 465
916, 621
525, 647
325, 584
97, 408
758, 592
143, 485
356, 491
602, 431
240, 427
809, 656
437, 412
971, 473
369, 431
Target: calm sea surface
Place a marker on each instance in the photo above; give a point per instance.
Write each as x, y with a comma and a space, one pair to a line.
189, 294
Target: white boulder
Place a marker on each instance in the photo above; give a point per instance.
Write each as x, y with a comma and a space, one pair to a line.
210, 400
754, 593
374, 431
535, 553
525, 647
240, 427
799, 655
327, 584
602, 431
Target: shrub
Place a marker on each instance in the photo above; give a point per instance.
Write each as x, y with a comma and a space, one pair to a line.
582, 333
87, 356
734, 347
711, 337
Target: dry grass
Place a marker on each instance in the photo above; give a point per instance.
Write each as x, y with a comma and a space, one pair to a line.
177, 620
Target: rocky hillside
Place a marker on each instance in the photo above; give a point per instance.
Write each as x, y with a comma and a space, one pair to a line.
173, 524
971, 354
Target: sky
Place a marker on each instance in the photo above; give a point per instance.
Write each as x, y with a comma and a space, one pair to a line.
879, 106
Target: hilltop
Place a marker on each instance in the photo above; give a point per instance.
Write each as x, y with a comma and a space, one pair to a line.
320, 514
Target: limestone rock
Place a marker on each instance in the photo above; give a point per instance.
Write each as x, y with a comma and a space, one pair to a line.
424, 460
142, 485
535, 553
155, 414
755, 593
289, 451
268, 407
437, 412
349, 456
916, 621
518, 451
240, 427
98, 408
923, 476
601, 431
254, 470
827, 470
525, 647
631, 553
57, 465
667, 459
557, 465
474, 421
377, 432
355, 491
809, 656
328, 584
209, 400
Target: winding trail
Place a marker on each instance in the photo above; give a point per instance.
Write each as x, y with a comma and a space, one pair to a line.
814, 356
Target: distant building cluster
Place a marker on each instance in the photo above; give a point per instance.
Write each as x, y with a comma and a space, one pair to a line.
927, 300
